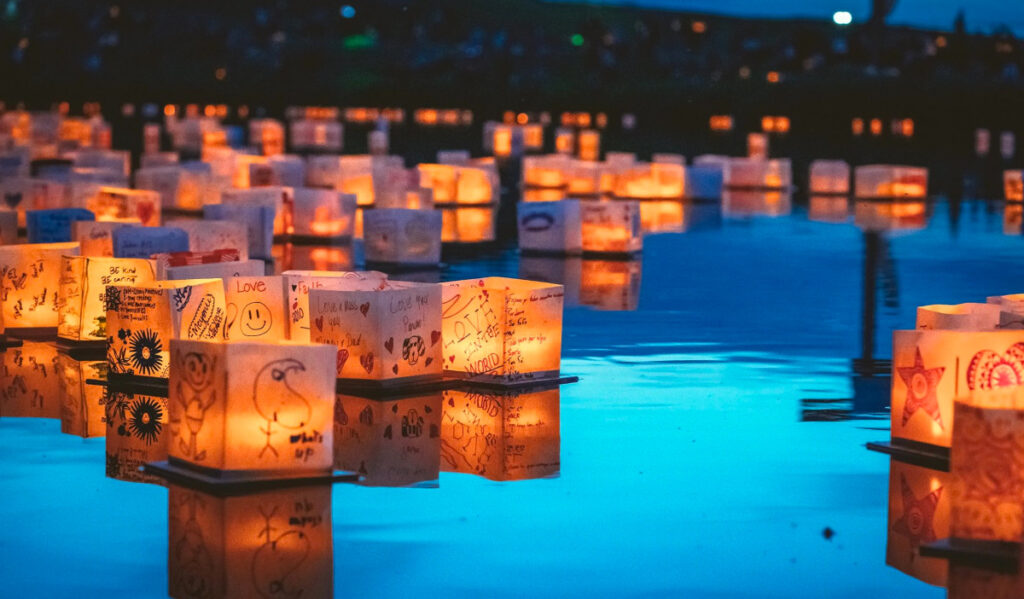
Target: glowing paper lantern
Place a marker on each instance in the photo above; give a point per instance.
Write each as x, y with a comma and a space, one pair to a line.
9, 227
179, 187
1013, 185
756, 173
268, 544
53, 226
550, 226
142, 320
745, 203
402, 236
82, 306
757, 146
545, 171
502, 330
888, 181
650, 181
81, 405
258, 220
964, 317
919, 513
565, 141
115, 203
97, 237
310, 135
298, 283
29, 283
254, 408
830, 176
611, 227
166, 260
501, 435
279, 199
323, 214
30, 381
467, 224
136, 432
589, 144
394, 442
388, 336
255, 309
210, 235
216, 270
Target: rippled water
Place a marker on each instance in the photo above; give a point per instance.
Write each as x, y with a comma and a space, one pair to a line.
727, 388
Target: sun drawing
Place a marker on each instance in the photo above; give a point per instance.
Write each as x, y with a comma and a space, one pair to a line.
145, 352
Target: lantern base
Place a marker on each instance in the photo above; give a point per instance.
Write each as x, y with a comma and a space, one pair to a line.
551, 252
215, 482
146, 384
401, 266
33, 333
6, 342
424, 383
83, 350
551, 378
175, 211
318, 240
929, 456
993, 555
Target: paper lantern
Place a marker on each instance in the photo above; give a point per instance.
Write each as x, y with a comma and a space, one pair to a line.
466, 224
610, 284
255, 309
1013, 185
323, 214
53, 226
442, 179
30, 381
757, 146
390, 335
565, 141
392, 442
545, 171
29, 283
258, 220
158, 159
115, 160
211, 235
97, 237
829, 176
143, 242
179, 187
33, 194
668, 158
216, 270
280, 199
289, 170
142, 320
502, 330
611, 227
310, 135
501, 436
165, 260
298, 283
82, 411
267, 135
9, 227
753, 173
589, 143
965, 317
662, 216
919, 506
550, 226
115, 203
82, 309
251, 408
136, 433
890, 216
543, 195
268, 544
402, 236
650, 181
888, 181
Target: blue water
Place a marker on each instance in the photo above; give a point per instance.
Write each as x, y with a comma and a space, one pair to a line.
693, 461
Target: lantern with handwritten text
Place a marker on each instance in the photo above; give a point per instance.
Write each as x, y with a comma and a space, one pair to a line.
255, 309
386, 336
115, 203
83, 286
502, 330
97, 237
298, 283
611, 227
256, 408
890, 181
30, 283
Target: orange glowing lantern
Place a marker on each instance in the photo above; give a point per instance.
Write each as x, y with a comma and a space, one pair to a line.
565, 141
662, 216
503, 140
876, 127
142, 320
830, 176
1013, 185
323, 214
555, 227
721, 122
316, 135
314, 257
136, 432
298, 284
179, 187
589, 143
402, 236
649, 181
256, 409
280, 199
442, 179
611, 227
267, 135
502, 330
30, 381
757, 146
501, 435
857, 127
267, 544
465, 224
889, 181
255, 309
30, 282
752, 173
116, 203
386, 336
82, 309
919, 513
81, 404
392, 443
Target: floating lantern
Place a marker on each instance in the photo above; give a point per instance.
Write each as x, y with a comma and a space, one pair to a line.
216, 270
53, 226
211, 235
151, 140
545, 171
280, 199
757, 146
258, 220
565, 141
30, 381
81, 404
394, 442
97, 237
550, 226
377, 142
179, 187
611, 227
1007, 145
465, 224
402, 236
589, 144
289, 170
29, 283
887, 181
113, 160
323, 214
501, 436
387, 336
136, 432
830, 176
310, 135
889, 216
82, 310
255, 309
268, 544
651, 181
919, 506
298, 283
666, 158
720, 122
1013, 185
267, 135
9, 227
142, 320
143, 242
502, 330
165, 260
752, 173
255, 409
115, 203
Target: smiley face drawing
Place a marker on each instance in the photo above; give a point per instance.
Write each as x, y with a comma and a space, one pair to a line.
254, 319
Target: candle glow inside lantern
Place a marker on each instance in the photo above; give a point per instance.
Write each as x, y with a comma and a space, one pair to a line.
387, 336
30, 381
116, 203
588, 142
650, 181
501, 436
757, 146
395, 442
251, 408
889, 181
829, 177
136, 433
1013, 185
298, 284
29, 283
82, 411
142, 320
323, 213
753, 173
279, 199
402, 236
179, 187
468, 224
919, 513
272, 544
611, 227
502, 330
550, 227
255, 309
545, 171
82, 309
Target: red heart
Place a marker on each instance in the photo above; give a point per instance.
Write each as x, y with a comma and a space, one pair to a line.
367, 361
434, 336
365, 308
342, 358
451, 358
144, 211
319, 323
394, 369
389, 344
429, 360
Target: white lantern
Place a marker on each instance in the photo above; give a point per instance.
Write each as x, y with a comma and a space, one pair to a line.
402, 236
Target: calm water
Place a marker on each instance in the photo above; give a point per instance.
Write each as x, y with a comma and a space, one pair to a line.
717, 430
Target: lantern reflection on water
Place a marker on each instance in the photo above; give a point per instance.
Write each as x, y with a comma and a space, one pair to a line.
828, 209
82, 412
82, 307
1013, 185
501, 436
889, 181
919, 506
1013, 218
392, 442
30, 381
267, 544
610, 284
29, 283
136, 432
890, 216
251, 408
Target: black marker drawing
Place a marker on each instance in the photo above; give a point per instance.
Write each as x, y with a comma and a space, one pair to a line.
276, 401
277, 559
196, 397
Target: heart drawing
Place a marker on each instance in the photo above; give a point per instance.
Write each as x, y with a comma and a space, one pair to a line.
991, 370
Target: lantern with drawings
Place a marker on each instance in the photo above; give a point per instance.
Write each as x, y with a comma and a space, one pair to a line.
30, 282
82, 309
298, 284
255, 309
890, 181
115, 203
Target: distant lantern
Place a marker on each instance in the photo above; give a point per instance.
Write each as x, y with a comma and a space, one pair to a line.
611, 227
256, 309
857, 127
545, 171
890, 181
982, 142
298, 284
136, 433
388, 336
1013, 185
402, 236
720, 122
377, 142
30, 283
502, 330
589, 144
503, 142
468, 224
275, 543
142, 320
757, 146
83, 288
553, 227
323, 214
829, 177
251, 408
212, 235
180, 188
565, 141
113, 203
501, 436
173, 259
751, 173
258, 220
919, 513
1007, 145
876, 127
97, 237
